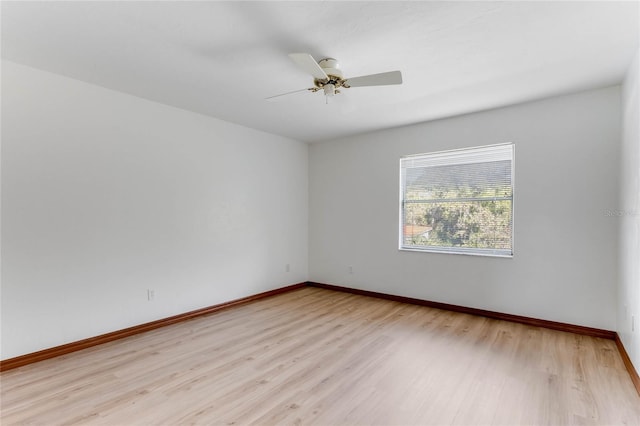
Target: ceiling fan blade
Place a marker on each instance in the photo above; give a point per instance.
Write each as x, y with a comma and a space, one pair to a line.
382, 79
272, 98
309, 65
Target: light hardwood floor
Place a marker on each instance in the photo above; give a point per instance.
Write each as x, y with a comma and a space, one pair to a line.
315, 356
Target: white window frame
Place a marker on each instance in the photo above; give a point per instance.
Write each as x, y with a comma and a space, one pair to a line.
451, 157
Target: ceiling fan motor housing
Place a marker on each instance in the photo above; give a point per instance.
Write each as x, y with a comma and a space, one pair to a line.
332, 68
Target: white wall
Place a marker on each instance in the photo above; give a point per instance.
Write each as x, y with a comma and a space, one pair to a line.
629, 219
105, 195
566, 165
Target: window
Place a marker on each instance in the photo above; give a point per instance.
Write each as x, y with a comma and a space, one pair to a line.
458, 201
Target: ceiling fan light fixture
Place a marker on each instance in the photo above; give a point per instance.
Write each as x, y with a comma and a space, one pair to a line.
329, 89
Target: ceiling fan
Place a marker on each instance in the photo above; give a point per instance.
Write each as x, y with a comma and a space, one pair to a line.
328, 77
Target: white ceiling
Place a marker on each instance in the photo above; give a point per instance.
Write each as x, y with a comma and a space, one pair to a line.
223, 58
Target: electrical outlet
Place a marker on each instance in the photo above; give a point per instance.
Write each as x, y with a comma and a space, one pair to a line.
151, 295
287, 268
350, 269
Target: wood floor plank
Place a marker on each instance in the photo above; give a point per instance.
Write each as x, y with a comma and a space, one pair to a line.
315, 356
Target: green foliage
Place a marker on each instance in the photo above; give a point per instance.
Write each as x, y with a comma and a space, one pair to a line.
464, 217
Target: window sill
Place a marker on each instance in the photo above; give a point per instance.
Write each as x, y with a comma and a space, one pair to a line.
467, 252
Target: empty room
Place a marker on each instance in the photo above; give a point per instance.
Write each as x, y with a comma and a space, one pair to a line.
320, 212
